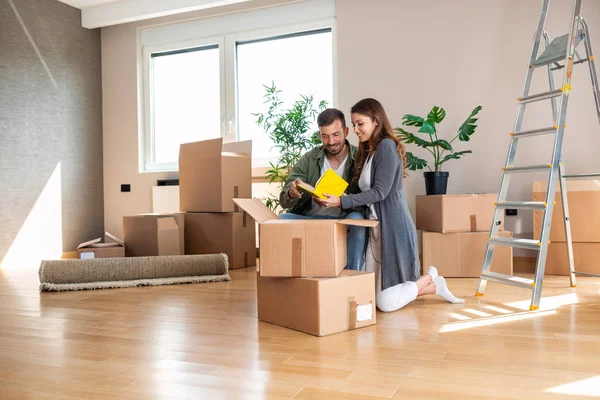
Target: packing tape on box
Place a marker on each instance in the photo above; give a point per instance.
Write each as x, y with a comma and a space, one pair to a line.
352, 313
244, 219
473, 223
297, 255
236, 191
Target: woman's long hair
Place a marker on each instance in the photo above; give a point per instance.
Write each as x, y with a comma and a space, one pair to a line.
373, 109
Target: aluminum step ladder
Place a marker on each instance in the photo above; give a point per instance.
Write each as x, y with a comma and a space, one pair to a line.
558, 54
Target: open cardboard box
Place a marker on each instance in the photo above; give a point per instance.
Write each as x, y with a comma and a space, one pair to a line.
95, 249
212, 173
300, 248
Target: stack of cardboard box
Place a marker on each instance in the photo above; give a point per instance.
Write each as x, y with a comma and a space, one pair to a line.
211, 174
455, 230
301, 281
584, 215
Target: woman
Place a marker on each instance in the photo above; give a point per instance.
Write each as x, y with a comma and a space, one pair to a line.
392, 251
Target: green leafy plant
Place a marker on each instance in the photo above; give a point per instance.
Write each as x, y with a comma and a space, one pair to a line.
441, 149
288, 128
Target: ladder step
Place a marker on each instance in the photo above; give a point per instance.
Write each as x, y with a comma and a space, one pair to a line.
522, 205
557, 50
508, 279
530, 168
534, 132
531, 244
541, 96
586, 274
579, 176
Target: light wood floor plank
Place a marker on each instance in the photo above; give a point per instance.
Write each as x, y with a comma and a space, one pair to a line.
204, 341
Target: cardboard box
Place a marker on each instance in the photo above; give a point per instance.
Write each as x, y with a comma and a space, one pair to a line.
165, 199
584, 211
212, 173
586, 258
95, 249
456, 212
319, 306
230, 233
461, 254
300, 248
154, 235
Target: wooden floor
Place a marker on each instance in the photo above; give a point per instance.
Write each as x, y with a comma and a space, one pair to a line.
203, 341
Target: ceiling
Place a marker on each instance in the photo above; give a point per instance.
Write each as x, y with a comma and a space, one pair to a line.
86, 3
102, 13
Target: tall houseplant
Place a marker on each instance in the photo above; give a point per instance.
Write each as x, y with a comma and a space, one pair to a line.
289, 129
436, 180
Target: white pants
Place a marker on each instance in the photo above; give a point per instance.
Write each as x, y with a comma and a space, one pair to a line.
392, 298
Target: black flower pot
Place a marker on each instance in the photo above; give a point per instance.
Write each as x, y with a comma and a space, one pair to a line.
435, 182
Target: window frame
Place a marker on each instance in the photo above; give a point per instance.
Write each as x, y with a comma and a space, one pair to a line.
226, 41
148, 161
231, 42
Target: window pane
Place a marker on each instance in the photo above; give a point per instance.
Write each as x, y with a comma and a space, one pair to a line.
186, 100
301, 64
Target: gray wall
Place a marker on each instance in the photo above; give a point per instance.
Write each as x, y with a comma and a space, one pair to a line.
50, 115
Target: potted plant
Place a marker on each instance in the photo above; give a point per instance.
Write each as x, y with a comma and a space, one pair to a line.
436, 180
288, 128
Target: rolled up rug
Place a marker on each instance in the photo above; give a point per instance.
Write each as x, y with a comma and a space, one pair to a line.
121, 272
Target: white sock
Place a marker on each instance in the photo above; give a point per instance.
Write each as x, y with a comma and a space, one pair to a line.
441, 289
433, 272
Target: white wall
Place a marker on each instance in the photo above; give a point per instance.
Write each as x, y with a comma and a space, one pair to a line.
120, 116
414, 55
410, 55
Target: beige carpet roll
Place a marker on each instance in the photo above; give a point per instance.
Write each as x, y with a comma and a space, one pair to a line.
100, 273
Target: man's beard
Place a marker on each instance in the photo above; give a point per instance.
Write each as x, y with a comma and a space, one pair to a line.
332, 153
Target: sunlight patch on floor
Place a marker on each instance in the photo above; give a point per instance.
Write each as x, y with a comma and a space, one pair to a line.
40, 237
585, 387
499, 319
547, 303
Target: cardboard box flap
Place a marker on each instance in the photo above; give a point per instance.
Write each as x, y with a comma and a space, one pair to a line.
114, 238
167, 223
244, 147
359, 222
101, 246
257, 209
88, 243
205, 148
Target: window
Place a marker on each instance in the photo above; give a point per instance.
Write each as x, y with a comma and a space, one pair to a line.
204, 79
297, 64
186, 99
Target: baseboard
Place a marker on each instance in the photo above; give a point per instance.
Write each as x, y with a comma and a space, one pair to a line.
524, 264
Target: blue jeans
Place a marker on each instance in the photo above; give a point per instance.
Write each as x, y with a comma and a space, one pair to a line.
355, 243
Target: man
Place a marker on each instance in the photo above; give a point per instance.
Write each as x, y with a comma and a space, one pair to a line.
335, 153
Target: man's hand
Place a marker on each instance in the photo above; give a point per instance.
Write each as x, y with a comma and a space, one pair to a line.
330, 202
294, 193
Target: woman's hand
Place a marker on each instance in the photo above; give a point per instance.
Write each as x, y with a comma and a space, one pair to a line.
330, 202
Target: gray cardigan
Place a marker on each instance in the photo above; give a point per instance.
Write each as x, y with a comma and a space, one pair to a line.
399, 242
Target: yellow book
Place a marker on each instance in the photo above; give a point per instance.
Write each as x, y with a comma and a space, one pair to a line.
330, 183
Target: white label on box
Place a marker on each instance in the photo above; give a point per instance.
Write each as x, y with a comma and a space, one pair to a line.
88, 255
364, 312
